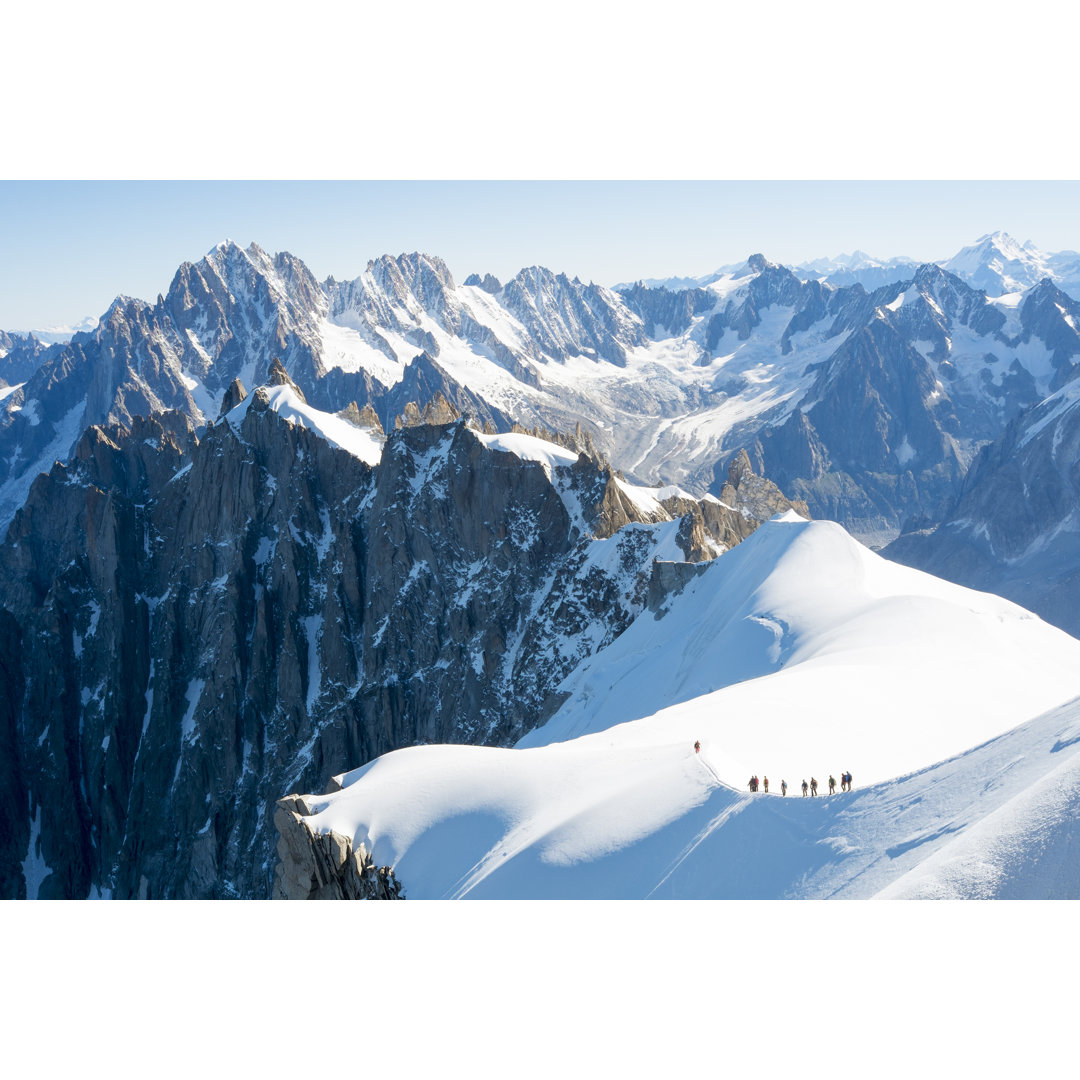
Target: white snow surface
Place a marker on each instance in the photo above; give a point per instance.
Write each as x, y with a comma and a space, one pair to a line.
798, 653
34, 867
361, 442
530, 448
191, 696
647, 500
344, 347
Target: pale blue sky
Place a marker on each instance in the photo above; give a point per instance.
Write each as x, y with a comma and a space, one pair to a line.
68, 247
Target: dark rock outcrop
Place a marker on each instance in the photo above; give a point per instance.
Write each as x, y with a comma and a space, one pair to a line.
234, 395
489, 283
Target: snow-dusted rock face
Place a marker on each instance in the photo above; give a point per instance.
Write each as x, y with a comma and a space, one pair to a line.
667, 313
235, 308
566, 318
224, 317
923, 372
20, 356
193, 626
1015, 527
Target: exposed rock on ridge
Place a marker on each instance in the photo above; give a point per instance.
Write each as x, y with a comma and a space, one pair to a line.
323, 866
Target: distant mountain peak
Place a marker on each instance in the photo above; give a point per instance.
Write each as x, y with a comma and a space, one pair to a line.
51, 335
999, 264
1005, 239
225, 247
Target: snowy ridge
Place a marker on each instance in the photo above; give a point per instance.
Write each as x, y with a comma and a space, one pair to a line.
805, 605
826, 657
1052, 411
530, 448
362, 443
647, 500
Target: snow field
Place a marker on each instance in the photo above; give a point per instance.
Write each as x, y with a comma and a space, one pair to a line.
797, 653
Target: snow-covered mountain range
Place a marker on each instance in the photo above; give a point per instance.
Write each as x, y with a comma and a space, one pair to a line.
60, 334
996, 263
858, 268
868, 405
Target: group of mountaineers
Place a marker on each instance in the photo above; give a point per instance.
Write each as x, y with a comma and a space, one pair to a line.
811, 788
755, 783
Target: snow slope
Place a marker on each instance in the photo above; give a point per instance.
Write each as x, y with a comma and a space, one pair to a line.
864, 660
796, 653
361, 442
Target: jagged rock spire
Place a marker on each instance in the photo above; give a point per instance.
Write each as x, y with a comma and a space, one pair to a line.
437, 411
366, 417
278, 376
233, 396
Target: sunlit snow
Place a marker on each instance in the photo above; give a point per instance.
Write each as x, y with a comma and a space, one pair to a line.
530, 448
361, 442
797, 654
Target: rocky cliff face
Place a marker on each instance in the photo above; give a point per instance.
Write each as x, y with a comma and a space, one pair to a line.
1014, 529
879, 432
566, 318
665, 312
192, 626
222, 318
